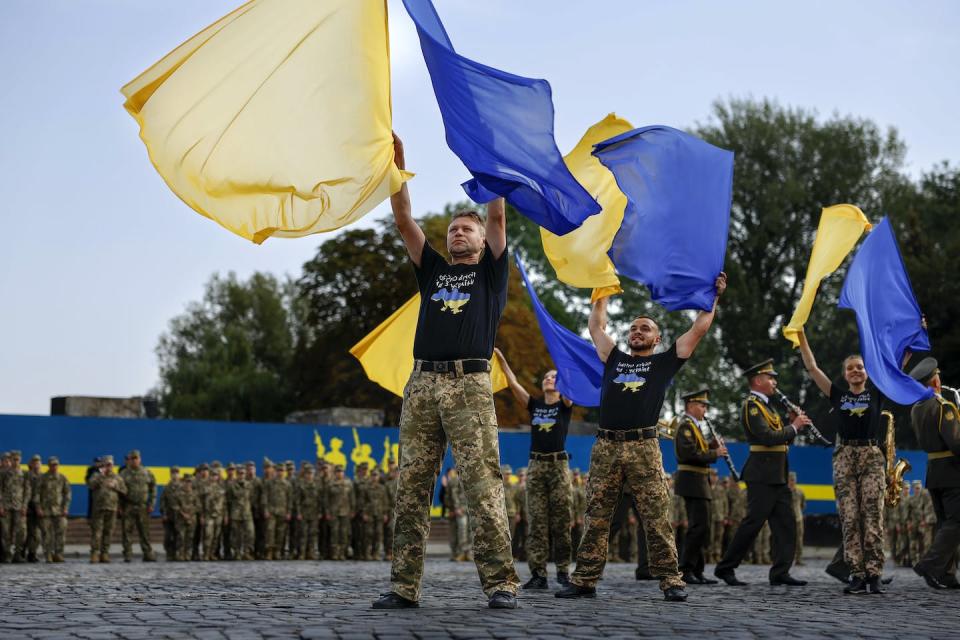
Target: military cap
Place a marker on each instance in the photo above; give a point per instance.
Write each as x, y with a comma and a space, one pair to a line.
231, 467
249, 463
307, 466
338, 467
35, 457
15, 453
187, 476
203, 467
917, 483
289, 464
522, 471
763, 367
53, 460
925, 370
216, 464
108, 459
506, 469
792, 475
321, 462
134, 453
700, 395
267, 462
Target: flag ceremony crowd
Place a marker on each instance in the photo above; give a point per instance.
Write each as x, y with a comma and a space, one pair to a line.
621, 204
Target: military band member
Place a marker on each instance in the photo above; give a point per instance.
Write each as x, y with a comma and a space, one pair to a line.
765, 472
627, 449
936, 422
696, 450
549, 498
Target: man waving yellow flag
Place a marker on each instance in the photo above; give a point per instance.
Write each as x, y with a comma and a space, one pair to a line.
275, 120
840, 227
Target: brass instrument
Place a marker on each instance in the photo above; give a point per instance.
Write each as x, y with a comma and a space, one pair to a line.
797, 410
895, 471
667, 428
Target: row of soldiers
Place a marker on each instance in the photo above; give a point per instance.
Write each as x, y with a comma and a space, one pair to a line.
33, 509
910, 526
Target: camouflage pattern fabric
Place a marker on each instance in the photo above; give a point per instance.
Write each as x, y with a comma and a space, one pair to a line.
137, 505
799, 504
550, 504
53, 500
638, 464
14, 497
860, 482
440, 407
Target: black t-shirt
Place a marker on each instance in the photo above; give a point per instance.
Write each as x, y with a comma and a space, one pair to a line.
634, 388
549, 424
460, 306
857, 414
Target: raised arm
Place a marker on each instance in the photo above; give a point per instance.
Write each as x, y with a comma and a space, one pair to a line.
409, 230
515, 387
821, 379
598, 329
497, 226
689, 341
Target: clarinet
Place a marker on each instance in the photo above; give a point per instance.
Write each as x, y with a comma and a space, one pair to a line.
796, 409
726, 458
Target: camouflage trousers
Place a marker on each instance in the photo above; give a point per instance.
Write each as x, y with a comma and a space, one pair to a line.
185, 529
54, 535
34, 532
14, 532
549, 502
136, 521
307, 538
639, 465
212, 535
437, 408
241, 539
388, 535
101, 531
375, 536
798, 554
715, 546
860, 483
339, 537
274, 532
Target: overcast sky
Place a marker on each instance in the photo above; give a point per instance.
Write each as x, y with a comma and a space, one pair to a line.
99, 255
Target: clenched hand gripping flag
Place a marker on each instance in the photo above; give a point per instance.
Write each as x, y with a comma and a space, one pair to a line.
386, 353
275, 120
840, 227
674, 232
878, 289
501, 127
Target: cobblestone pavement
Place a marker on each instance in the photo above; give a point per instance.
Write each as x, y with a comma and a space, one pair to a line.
332, 600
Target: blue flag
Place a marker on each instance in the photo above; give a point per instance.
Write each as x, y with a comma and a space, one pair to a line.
501, 127
579, 370
673, 237
878, 289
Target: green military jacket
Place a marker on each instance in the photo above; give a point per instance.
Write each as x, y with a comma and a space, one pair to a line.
53, 494
237, 493
341, 500
141, 487
107, 490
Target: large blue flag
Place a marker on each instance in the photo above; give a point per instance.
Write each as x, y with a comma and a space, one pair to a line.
501, 127
674, 232
878, 289
579, 370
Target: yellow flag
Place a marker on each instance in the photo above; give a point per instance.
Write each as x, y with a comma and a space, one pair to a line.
840, 227
386, 353
580, 257
276, 119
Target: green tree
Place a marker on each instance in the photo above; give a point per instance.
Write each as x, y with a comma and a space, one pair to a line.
227, 357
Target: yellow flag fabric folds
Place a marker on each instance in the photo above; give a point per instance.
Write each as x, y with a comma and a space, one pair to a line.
275, 120
840, 227
386, 353
580, 257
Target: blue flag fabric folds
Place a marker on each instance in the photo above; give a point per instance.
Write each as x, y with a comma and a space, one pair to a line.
501, 127
878, 289
674, 232
579, 370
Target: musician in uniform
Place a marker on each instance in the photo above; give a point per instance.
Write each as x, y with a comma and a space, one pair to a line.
936, 422
696, 450
765, 472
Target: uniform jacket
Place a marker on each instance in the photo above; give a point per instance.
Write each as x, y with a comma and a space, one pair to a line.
937, 425
763, 426
693, 451
107, 491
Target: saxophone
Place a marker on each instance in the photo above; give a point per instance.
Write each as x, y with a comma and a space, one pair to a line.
895, 470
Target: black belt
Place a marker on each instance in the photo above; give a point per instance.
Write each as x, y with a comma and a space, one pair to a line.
549, 457
629, 435
472, 365
870, 442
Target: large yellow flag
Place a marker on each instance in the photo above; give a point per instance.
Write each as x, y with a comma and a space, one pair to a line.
386, 353
840, 227
580, 257
275, 120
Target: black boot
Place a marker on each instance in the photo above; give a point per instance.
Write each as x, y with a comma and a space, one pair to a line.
675, 594
576, 591
873, 585
929, 578
729, 577
504, 599
393, 601
689, 578
563, 578
857, 586
536, 582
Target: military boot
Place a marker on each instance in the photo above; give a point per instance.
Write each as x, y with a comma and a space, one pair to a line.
94, 558
105, 558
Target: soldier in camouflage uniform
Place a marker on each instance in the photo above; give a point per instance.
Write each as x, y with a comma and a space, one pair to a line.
737, 499
340, 511
307, 508
393, 477
239, 514
14, 498
168, 514
890, 525
678, 513
34, 523
378, 514
275, 506
510, 504
914, 520
456, 500
108, 490
214, 509
290, 545
137, 506
578, 508
928, 520
721, 516
799, 506
361, 521
201, 480
186, 504
449, 398
255, 486
53, 504
324, 476
906, 527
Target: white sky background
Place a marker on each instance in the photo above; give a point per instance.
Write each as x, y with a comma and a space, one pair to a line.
99, 255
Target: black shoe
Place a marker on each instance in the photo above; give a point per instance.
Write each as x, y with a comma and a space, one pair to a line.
33, 558
857, 586
643, 575
705, 580
690, 578
840, 575
504, 599
886, 580
730, 578
788, 581
873, 585
675, 594
949, 581
931, 581
393, 601
536, 582
563, 578
576, 591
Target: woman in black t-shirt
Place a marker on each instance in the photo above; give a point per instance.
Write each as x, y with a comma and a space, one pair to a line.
549, 491
859, 477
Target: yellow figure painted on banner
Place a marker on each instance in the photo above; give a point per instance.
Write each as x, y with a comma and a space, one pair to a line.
362, 453
335, 455
317, 440
391, 453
